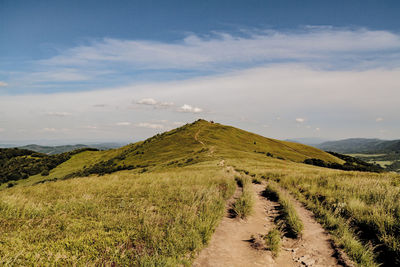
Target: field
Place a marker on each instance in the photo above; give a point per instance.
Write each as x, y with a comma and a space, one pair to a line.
360, 210
164, 209
124, 219
390, 162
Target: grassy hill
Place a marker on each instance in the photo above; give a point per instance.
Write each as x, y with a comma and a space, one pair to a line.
53, 150
362, 145
193, 143
157, 202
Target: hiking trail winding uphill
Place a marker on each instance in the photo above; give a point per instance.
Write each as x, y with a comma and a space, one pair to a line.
231, 243
211, 149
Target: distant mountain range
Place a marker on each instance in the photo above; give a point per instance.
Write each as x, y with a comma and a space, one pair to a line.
53, 150
361, 145
310, 141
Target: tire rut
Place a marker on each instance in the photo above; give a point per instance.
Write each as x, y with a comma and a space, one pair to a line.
231, 243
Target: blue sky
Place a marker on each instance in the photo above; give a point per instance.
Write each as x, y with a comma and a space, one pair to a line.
124, 70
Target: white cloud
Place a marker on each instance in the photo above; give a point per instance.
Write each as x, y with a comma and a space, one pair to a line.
59, 75
189, 108
49, 129
147, 101
379, 119
2, 130
300, 120
341, 102
155, 103
317, 43
3, 84
150, 125
317, 129
58, 114
166, 104
123, 123
91, 127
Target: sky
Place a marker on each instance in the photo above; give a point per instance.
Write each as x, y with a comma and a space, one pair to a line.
101, 71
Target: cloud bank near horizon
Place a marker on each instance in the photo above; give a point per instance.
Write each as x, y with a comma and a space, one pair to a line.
308, 102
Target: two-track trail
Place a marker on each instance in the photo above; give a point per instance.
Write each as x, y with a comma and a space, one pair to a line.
230, 245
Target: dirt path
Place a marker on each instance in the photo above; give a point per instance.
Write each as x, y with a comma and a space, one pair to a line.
196, 137
230, 245
313, 248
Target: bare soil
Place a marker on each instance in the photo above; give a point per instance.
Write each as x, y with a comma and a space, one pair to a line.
231, 243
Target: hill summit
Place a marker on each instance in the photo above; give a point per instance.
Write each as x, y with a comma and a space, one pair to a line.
192, 143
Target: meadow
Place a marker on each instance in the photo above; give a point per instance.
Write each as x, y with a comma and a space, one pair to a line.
157, 219
163, 210
360, 209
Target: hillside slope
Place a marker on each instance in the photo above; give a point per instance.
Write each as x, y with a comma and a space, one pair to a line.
158, 202
361, 145
196, 142
53, 150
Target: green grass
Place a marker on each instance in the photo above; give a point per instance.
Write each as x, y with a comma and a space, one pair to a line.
165, 210
178, 148
273, 241
150, 219
360, 210
292, 224
243, 206
366, 155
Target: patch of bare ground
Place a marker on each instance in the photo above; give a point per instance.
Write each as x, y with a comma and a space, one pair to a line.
314, 248
230, 245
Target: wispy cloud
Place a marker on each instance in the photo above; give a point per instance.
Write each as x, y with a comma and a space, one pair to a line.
340, 103
58, 114
3, 84
300, 120
123, 123
147, 101
154, 103
150, 125
194, 51
49, 129
169, 105
59, 75
115, 61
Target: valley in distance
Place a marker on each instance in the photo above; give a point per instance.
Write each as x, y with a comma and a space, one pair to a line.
204, 194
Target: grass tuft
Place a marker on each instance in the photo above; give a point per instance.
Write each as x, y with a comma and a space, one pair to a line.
292, 223
273, 241
243, 206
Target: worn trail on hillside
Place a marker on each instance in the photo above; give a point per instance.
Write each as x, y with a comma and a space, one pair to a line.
230, 245
211, 148
314, 248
